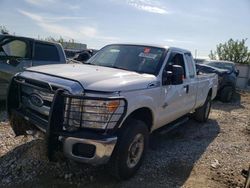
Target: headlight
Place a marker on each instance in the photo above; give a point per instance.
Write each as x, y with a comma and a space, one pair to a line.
96, 114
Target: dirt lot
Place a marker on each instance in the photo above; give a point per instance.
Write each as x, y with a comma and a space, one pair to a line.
193, 155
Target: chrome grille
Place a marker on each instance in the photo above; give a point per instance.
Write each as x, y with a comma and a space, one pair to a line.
35, 97
35, 93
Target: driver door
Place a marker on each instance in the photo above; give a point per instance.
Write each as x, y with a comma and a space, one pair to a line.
173, 97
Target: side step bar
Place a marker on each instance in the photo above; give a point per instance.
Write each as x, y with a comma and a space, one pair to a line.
169, 127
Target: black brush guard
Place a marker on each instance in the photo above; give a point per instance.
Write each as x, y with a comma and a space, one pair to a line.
54, 128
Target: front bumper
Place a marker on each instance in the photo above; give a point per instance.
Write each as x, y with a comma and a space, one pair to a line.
100, 155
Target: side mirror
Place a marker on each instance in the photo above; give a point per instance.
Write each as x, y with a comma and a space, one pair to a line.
167, 77
174, 77
178, 75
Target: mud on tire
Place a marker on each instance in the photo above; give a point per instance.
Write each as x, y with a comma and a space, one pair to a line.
202, 113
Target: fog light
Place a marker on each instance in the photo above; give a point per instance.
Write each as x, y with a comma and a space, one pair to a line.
84, 150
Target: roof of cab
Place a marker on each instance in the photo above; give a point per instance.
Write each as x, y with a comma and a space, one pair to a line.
26, 38
154, 45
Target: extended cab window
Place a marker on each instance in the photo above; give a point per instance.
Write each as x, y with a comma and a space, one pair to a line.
190, 65
46, 52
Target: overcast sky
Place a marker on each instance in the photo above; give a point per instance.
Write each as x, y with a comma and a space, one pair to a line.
190, 24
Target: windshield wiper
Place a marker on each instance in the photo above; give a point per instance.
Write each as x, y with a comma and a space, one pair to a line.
120, 68
92, 64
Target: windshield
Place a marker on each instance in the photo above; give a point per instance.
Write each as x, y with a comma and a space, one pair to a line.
141, 59
221, 65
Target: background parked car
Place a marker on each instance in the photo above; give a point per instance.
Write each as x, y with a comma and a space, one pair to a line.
71, 53
228, 65
82, 55
18, 53
199, 60
226, 78
85, 55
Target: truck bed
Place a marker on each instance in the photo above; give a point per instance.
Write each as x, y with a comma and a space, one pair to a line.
206, 81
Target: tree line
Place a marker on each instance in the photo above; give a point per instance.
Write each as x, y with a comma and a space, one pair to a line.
232, 50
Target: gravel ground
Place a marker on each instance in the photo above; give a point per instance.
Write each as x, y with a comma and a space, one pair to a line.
193, 155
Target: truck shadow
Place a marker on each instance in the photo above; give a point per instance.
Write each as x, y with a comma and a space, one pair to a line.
178, 150
169, 161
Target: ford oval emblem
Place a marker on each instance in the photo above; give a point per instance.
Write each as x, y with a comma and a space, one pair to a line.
36, 100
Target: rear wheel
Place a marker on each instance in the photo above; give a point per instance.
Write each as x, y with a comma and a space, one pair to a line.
201, 114
227, 94
130, 149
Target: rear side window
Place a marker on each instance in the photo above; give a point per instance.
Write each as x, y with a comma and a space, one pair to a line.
15, 48
46, 52
190, 65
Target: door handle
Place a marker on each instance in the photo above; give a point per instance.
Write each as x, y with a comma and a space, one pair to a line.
186, 87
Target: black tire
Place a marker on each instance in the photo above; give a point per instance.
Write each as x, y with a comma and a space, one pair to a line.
120, 164
201, 114
227, 93
19, 125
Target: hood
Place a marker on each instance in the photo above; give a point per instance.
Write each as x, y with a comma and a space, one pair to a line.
98, 78
221, 71
212, 69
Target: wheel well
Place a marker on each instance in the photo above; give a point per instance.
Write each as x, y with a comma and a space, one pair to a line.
144, 114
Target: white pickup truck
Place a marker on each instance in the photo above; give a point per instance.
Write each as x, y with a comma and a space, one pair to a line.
102, 112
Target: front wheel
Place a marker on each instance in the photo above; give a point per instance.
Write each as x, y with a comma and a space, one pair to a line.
202, 113
130, 149
19, 125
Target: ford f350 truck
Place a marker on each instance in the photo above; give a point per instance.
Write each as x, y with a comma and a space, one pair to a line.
102, 112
